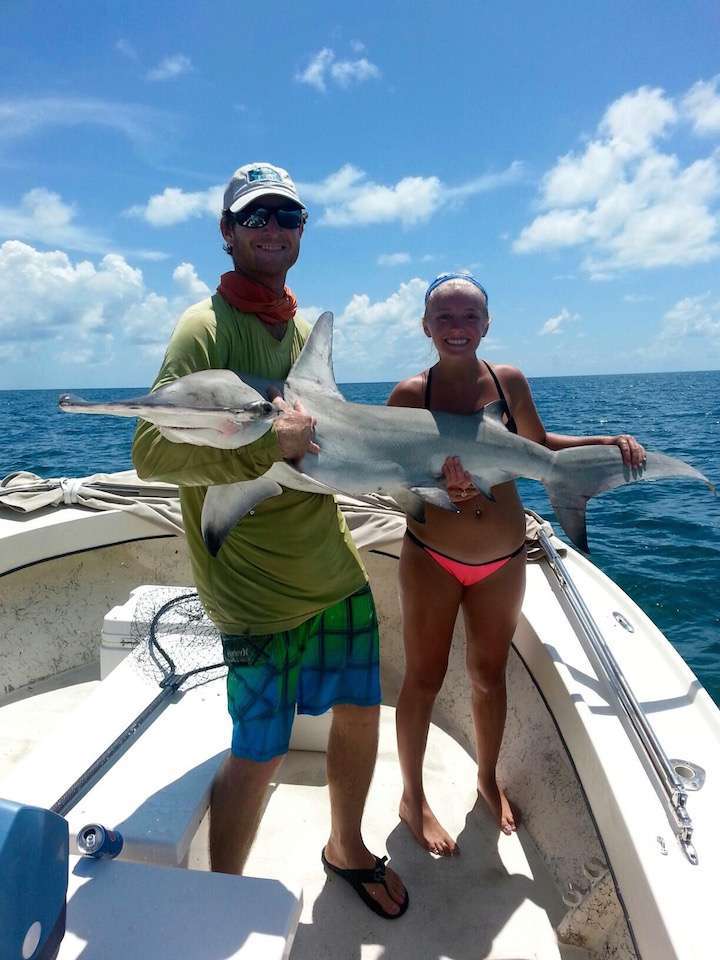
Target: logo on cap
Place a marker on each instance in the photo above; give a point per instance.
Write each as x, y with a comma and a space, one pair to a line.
263, 173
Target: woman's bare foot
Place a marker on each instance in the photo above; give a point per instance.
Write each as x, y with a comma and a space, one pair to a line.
426, 828
507, 816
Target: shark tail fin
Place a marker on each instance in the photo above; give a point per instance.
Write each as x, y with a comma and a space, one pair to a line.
580, 473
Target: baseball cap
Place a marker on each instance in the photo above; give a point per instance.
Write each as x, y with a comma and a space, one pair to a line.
258, 180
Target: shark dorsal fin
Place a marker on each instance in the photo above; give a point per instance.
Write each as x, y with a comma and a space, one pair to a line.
494, 411
313, 368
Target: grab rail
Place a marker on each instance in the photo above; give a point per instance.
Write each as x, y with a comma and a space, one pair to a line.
671, 793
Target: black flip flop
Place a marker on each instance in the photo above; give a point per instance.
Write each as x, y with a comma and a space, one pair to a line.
356, 879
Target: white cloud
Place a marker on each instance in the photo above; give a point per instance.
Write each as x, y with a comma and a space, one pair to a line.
487, 182
126, 49
314, 74
189, 284
702, 103
347, 72
170, 68
556, 324
381, 340
85, 307
634, 121
560, 228
692, 317
688, 337
309, 314
43, 216
576, 180
145, 127
347, 197
629, 204
411, 200
82, 356
324, 67
392, 259
175, 206
491, 345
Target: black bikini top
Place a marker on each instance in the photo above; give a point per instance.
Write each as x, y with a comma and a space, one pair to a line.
509, 423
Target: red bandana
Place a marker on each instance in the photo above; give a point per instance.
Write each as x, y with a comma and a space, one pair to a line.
251, 297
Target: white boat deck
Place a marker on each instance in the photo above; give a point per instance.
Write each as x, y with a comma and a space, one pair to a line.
30, 714
494, 900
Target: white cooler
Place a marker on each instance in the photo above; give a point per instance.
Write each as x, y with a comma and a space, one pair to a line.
124, 624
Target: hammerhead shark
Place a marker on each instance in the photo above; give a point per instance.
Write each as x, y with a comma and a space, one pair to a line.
365, 449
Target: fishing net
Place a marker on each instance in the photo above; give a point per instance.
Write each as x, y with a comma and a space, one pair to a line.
175, 644
174, 641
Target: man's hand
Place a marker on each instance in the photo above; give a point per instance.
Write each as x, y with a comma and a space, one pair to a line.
294, 431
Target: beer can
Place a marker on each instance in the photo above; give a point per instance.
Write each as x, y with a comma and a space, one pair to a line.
98, 842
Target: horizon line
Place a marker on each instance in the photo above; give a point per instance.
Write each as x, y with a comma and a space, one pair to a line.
353, 383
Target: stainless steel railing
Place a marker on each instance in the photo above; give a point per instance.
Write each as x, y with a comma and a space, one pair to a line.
669, 787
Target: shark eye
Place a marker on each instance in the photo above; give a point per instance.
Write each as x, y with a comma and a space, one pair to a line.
260, 408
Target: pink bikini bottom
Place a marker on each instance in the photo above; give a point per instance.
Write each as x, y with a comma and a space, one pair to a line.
465, 573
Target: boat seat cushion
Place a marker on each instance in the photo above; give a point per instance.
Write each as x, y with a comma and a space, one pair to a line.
119, 910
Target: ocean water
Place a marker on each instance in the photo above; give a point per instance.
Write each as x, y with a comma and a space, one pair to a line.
659, 541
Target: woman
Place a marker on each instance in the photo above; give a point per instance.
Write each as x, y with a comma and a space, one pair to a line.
473, 559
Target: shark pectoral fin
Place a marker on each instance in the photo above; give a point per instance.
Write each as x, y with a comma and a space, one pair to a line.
435, 496
492, 478
409, 502
570, 510
226, 504
290, 476
484, 486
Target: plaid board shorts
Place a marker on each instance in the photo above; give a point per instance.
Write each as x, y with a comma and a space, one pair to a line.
334, 657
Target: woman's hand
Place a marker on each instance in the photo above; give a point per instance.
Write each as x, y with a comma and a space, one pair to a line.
458, 481
633, 453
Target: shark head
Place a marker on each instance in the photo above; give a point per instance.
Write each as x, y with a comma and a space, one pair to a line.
207, 408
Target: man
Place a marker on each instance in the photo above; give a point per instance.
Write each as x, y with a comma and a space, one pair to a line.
287, 589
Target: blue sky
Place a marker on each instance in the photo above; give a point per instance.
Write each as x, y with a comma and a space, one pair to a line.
568, 154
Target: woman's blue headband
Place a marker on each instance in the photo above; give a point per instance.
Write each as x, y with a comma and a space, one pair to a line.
444, 277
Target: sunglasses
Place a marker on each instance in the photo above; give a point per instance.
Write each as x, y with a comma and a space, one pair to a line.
255, 217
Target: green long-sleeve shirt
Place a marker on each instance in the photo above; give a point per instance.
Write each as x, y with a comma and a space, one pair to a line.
295, 555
